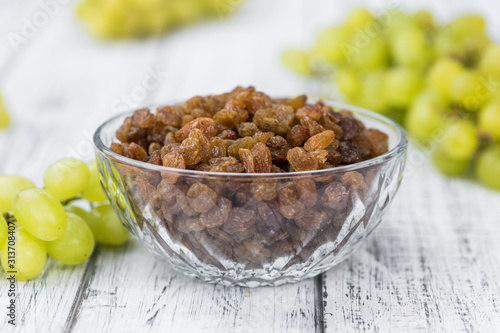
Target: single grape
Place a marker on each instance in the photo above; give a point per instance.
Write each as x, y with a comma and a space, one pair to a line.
467, 25
409, 47
94, 192
328, 45
30, 255
108, 228
66, 178
3, 230
10, 186
488, 167
448, 165
425, 116
442, 75
371, 93
459, 140
348, 83
76, 245
358, 19
424, 19
40, 214
84, 214
489, 118
298, 61
489, 63
469, 90
366, 53
401, 85
4, 115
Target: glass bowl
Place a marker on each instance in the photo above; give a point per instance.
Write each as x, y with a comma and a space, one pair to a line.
252, 229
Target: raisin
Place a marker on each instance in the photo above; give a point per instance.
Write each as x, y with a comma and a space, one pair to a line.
313, 112
312, 126
228, 118
306, 189
246, 143
297, 135
378, 141
122, 132
355, 180
136, 152
236, 168
300, 160
169, 138
186, 119
117, 148
217, 215
297, 102
313, 220
276, 169
248, 160
187, 224
278, 147
155, 158
276, 120
154, 146
257, 102
170, 115
319, 141
350, 128
247, 129
228, 135
349, 152
252, 250
217, 148
169, 148
336, 196
288, 202
264, 190
262, 158
206, 125
333, 158
196, 148
143, 118
263, 136
201, 197
240, 219
269, 223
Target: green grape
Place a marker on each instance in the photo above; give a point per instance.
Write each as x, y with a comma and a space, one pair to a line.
358, 19
425, 116
409, 47
468, 89
108, 228
489, 118
401, 85
40, 214
468, 25
298, 61
460, 140
76, 245
424, 19
328, 45
348, 83
66, 178
366, 53
30, 255
442, 74
488, 167
94, 192
11, 185
489, 63
3, 230
84, 214
371, 93
448, 165
4, 115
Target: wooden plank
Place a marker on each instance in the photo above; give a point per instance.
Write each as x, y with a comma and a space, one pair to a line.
131, 291
432, 265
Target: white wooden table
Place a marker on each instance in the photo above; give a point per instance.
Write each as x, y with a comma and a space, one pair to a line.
432, 265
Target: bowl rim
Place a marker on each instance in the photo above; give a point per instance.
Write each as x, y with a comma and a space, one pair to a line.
395, 151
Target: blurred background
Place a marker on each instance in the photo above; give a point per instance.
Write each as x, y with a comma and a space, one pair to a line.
66, 66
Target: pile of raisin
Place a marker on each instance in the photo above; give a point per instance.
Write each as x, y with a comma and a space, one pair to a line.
246, 131
223, 219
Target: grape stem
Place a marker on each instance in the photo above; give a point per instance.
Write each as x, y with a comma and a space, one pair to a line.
9, 218
68, 201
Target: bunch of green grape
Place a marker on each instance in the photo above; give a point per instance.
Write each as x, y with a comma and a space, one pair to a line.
35, 222
121, 19
4, 115
441, 81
